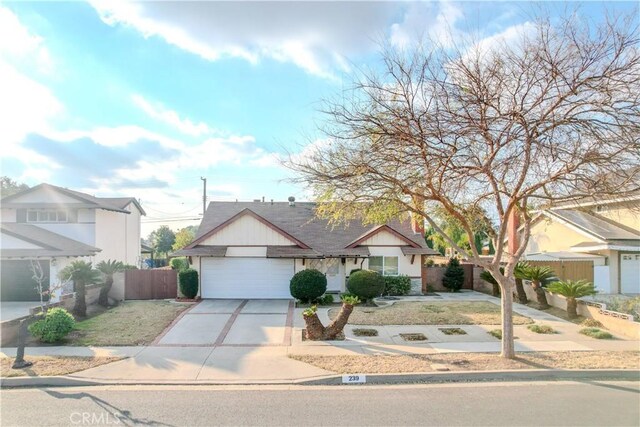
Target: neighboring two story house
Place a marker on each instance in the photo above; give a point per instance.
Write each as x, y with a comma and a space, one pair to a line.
607, 232
252, 249
56, 225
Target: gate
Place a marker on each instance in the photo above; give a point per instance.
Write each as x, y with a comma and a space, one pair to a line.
150, 284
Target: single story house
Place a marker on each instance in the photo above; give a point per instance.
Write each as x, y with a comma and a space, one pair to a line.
252, 249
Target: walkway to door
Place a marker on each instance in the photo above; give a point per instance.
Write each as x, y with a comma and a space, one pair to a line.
232, 323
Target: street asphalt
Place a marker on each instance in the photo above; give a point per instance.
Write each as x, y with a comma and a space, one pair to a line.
478, 404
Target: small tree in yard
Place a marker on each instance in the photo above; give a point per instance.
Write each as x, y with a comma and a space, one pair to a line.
453, 276
188, 280
308, 285
108, 268
539, 275
485, 132
572, 290
317, 331
82, 274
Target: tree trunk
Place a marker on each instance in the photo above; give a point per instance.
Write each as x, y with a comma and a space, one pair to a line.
522, 295
103, 299
19, 362
316, 331
496, 290
541, 296
506, 303
572, 308
80, 306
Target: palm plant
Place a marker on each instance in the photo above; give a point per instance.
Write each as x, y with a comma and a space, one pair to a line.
572, 290
519, 273
82, 274
108, 268
538, 275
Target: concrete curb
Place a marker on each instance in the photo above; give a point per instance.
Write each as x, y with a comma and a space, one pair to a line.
373, 379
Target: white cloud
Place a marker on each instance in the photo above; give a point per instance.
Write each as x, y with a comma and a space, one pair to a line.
315, 36
435, 21
18, 43
172, 118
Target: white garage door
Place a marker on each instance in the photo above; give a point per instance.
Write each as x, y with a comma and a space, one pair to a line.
246, 277
630, 274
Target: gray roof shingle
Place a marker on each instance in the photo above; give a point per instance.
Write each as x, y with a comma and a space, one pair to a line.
52, 244
595, 225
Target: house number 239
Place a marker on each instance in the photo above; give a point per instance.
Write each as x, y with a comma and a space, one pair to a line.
354, 379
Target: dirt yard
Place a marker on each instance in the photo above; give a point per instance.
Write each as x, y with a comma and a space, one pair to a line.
383, 364
46, 366
431, 313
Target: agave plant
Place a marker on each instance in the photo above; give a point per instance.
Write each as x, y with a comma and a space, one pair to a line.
82, 274
538, 276
108, 268
519, 273
572, 290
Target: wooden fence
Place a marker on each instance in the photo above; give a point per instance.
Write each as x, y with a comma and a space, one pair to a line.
150, 284
569, 270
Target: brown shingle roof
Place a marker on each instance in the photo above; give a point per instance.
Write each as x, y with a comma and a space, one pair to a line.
51, 244
300, 222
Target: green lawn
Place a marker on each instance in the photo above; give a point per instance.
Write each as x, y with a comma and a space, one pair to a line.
431, 313
130, 323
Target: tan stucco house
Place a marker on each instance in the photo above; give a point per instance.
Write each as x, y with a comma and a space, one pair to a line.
607, 232
252, 249
57, 225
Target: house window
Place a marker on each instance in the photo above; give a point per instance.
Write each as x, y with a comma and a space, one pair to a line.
385, 265
46, 215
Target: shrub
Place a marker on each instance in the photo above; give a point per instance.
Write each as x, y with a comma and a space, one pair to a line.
55, 325
179, 263
308, 285
326, 299
591, 323
596, 333
541, 329
453, 331
188, 282
496, 333
626, 305
429, 262
454, 276
397, 285
365, 284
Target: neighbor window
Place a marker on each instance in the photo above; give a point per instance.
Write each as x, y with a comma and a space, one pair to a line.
46, 215
385, 265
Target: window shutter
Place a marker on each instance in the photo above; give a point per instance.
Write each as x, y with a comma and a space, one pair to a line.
21, 215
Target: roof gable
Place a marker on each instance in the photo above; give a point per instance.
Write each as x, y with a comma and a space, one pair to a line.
44, 193
382, 235
247, 228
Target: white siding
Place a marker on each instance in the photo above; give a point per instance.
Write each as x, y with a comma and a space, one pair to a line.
86, 215
111, 236
8, 215
246, 230
247, 251
85, 233
383, 238
42, 196
10, 242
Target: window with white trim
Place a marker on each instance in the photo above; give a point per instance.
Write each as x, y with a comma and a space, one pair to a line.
46, 215
385, 265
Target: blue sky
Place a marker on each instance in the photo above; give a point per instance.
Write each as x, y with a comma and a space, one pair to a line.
142, 99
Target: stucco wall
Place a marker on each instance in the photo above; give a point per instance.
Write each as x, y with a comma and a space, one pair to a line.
622, 214
246, 230
118, 238
8, 215
132, 235
551, 236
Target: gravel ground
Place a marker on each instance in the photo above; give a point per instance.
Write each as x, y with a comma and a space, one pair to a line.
432, 313
44, 366
383, 364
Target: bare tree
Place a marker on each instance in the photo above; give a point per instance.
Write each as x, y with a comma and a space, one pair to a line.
550, 116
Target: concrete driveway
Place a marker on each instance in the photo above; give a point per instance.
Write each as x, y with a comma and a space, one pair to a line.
235, 323
10, 310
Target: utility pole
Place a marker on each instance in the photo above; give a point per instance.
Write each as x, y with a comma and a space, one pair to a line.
204, 195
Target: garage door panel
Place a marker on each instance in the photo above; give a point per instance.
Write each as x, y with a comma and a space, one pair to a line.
246, 277
630, 273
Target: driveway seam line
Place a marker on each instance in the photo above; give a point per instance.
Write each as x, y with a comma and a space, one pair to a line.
175, 321
229, 324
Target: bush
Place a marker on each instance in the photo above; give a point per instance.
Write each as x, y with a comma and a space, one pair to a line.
396, 285
179, 264
326, 299
365, 284
188, 280
541, 329
625, 305
596, 333
308, 285
591, 323
55, 325
454, 276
